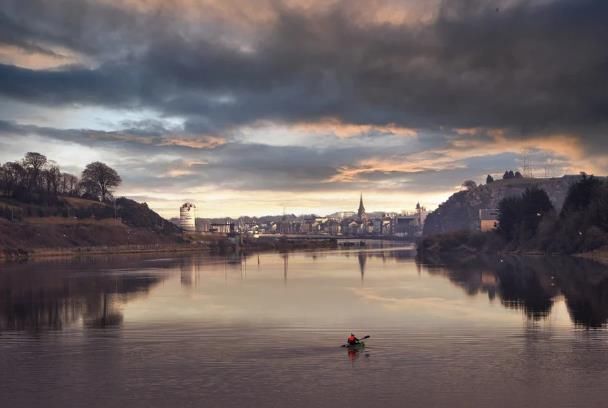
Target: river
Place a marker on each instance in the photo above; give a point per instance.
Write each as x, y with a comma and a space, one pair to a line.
266, 329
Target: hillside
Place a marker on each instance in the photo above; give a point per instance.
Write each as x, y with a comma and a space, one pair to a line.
461, 211
76, 222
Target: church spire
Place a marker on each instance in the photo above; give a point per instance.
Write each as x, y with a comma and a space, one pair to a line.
361, 211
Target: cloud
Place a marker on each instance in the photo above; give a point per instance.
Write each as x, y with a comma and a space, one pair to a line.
528, 67
200, 142
335, 127
309, 95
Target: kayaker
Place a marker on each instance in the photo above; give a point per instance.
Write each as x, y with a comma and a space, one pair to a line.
352, 340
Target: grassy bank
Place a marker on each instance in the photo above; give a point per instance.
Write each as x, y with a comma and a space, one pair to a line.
43, 253
223, 246
462, 242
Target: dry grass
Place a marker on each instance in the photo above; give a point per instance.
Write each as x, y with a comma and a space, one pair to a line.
71, 221
204, 237
76, 202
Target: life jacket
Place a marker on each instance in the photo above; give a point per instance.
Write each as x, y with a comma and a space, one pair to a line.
352, 339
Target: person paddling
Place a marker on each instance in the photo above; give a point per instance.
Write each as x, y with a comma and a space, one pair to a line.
352, 340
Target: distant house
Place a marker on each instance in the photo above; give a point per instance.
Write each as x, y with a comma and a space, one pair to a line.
308, 226
353, 227
387, 226
377, 225
333, 227
405, 225
488, 219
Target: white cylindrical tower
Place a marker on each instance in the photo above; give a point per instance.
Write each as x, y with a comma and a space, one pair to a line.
187, 217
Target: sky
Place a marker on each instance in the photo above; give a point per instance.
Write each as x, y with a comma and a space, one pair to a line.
265, 106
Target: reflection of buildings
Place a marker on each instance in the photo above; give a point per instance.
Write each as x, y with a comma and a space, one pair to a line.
285, 257
190, 272
362, 257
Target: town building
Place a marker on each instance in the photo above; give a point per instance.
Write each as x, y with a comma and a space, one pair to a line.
222, 227
488, 219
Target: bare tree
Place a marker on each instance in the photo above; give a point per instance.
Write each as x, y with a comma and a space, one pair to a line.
68, 184
98, 179
12, 177
52, 178
33, 163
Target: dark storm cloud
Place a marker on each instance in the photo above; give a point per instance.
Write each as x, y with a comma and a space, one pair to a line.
529, 68
81, 25
150, 138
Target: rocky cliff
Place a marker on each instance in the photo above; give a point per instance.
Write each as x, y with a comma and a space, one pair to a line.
461, 211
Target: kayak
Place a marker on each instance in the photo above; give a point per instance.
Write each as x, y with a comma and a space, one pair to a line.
358, 346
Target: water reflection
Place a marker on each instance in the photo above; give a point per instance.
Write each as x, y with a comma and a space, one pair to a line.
362, 257
533, 284
190, 272
51, 295
186, 329
285, 257
354, 354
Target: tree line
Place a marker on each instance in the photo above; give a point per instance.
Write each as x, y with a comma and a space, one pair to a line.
530, 222
36, 179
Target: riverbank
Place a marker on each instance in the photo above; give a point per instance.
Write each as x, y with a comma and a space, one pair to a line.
462, 243
219, 244
474, 243
44, 253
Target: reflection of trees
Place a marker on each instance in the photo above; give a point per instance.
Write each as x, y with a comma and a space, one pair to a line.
522, 286
37, 297
515, 283
531, 284
585, 288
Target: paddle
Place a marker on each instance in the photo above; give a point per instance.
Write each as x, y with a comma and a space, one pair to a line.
366, 337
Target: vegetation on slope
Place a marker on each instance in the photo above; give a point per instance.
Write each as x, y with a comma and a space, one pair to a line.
461, 210
530, 223
42, 207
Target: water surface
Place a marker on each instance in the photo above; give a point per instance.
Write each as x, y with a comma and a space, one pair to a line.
265, 330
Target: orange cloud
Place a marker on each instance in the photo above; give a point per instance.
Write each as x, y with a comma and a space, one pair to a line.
184, 168
202, 142
455, 154
56, 57
345, 130
237, 13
